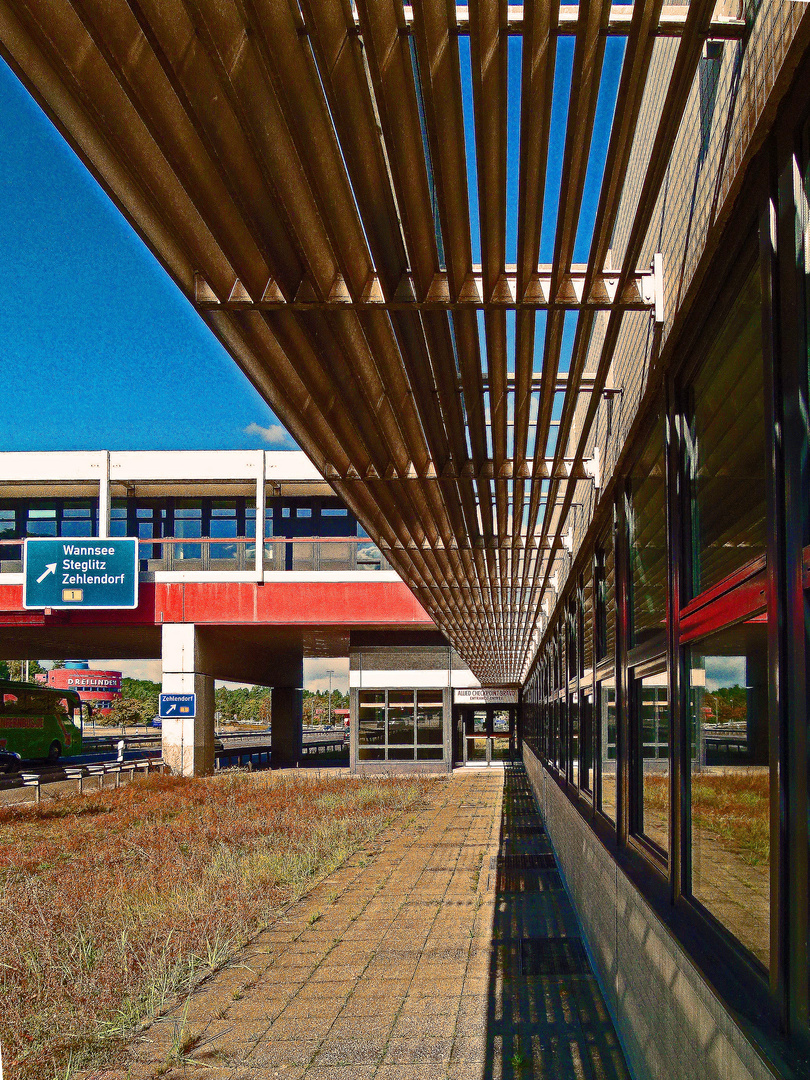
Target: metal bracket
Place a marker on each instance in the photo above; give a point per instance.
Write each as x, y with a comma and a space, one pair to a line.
593, 468
653, 287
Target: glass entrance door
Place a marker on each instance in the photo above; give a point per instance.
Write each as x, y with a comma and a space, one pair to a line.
486, 734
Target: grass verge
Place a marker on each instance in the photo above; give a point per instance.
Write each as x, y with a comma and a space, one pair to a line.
112, 903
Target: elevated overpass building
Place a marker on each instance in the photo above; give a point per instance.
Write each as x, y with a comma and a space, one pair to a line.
248, 562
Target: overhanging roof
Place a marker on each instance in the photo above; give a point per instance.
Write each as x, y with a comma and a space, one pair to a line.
301, 171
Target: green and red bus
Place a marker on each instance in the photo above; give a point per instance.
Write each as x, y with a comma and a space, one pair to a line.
39, 722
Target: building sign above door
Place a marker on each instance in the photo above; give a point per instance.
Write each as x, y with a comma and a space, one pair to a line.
486, 695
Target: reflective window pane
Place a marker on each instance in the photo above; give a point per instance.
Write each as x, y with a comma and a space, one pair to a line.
429, 717
371, 734
648, 541
586, 743
607, 721
573, 722
605, 597
726, 453
400, 723
731, 782
652, 733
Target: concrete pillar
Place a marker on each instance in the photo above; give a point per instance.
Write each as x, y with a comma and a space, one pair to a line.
188, 744
288, 717
287, 724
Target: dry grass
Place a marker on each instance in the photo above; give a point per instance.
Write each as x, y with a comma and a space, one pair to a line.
732, 805
112, 903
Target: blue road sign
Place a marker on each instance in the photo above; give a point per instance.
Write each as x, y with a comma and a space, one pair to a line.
177, 705
81, 572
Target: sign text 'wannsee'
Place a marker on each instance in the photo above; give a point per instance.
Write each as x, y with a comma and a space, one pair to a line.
81, 573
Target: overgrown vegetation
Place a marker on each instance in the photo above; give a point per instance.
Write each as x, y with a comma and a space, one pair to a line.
111, 903
732, 805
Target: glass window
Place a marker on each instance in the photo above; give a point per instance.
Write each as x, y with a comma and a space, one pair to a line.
586, 681
731, 782
648, 541
400, 717
725, 452
334, 511
400, 725
187, 523
8, 531
429, 717
651, 759
429, 725
371, 734
42, 521
607, 721
303, 512
586, 742
223, 522
369, 557
573, 723
573, 627
118, 518
500, 722
605, 598
78, 519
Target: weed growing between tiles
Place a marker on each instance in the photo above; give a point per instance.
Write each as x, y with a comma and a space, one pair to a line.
112, 903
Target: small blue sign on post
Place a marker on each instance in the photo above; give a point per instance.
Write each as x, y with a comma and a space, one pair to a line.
81, 572
177, 706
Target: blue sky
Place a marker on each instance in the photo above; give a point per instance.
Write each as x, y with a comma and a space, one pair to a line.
99, 347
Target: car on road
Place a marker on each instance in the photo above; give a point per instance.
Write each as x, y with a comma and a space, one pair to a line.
9, 761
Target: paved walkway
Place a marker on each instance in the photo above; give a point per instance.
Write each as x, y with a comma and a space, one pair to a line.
447, 950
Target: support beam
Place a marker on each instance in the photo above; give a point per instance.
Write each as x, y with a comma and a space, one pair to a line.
671, 24
187, 744
261, 503
641, 293
104, 494
287, 725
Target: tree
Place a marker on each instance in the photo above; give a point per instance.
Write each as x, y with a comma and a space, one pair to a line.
129, 712
16, 670
143, 690
242, 705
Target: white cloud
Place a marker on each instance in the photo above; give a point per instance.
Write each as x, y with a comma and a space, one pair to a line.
273, 433
132, 669
724, 671
316, 667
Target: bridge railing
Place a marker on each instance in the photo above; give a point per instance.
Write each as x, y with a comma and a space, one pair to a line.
305, 553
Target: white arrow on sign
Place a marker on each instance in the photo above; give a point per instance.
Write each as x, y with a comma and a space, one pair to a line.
50, 568
171, 708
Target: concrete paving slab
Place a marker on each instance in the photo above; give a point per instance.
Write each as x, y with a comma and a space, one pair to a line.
423, 956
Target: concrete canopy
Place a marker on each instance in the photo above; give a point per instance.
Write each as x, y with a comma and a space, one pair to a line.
300, 170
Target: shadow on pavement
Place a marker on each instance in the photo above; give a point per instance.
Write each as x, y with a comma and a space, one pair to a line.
546, 1014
